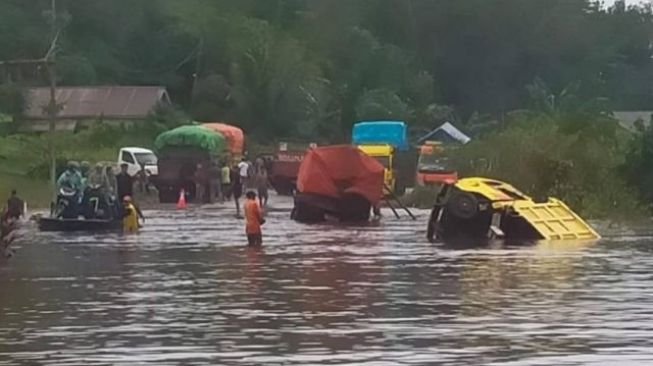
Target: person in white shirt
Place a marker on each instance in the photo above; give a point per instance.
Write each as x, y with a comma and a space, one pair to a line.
243, 171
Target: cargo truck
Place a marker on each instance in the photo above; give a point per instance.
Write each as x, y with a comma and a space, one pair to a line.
180, 151
387, 142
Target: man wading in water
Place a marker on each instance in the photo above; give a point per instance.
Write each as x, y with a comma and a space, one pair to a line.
253, 220
236, 188
15, 206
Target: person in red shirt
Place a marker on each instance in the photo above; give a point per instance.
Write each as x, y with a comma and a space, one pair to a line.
253, 220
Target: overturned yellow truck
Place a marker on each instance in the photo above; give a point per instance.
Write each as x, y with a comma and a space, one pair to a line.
474, 209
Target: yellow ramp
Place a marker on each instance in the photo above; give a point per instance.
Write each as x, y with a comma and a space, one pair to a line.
555, 221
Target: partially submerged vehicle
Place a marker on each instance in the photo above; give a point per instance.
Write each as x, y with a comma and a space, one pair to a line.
337, 182
475, 209
180, 152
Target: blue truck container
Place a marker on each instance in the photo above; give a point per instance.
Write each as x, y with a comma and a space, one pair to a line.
393, 133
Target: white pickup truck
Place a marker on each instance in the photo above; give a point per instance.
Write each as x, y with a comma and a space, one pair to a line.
137, 158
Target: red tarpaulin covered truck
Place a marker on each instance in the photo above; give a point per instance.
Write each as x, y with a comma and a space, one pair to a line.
338, 181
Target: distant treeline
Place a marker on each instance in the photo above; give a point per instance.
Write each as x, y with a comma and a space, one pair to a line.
311, 68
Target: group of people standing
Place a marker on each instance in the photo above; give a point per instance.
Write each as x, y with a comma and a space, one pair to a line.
110, 187
231, 180
78, 178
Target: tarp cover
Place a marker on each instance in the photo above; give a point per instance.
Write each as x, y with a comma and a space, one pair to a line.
191, 136
381, 132
234, 135
336, 170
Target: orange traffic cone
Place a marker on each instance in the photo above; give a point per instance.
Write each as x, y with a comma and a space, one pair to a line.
181, 203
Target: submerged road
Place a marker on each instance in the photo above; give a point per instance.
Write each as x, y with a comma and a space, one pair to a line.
186, 291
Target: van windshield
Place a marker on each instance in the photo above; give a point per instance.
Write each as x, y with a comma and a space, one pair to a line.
145, 158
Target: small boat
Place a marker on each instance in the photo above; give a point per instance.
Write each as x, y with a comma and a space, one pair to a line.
480, 209
68, 225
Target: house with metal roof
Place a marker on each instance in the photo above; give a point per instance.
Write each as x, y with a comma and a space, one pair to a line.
446, 133
82, 107
629, 119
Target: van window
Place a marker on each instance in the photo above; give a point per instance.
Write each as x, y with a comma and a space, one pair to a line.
127, 157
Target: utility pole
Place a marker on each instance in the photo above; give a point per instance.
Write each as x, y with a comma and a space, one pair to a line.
50, 59
196, 74
47, 62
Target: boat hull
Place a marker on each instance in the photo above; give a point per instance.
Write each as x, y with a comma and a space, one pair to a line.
71, 225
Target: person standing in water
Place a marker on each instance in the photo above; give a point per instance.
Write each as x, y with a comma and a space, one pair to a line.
131, 215
124, 182
130, 220
15, 206
261, 178
243, 171
236, 188
253, 220
225, 180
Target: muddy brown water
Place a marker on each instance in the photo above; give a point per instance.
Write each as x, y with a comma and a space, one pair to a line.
186, 291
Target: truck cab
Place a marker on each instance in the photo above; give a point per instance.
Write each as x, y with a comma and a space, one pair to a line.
385, 141
434, 166
137, 158
384, 154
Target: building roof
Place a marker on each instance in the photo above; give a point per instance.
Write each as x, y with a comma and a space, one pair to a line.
445, 133
120, 102
627, 119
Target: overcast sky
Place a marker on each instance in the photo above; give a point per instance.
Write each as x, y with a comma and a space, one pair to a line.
629, 2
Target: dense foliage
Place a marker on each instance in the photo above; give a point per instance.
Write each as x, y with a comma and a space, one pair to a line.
311, 68
535, 81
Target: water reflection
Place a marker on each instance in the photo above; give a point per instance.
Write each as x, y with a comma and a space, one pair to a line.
188, 291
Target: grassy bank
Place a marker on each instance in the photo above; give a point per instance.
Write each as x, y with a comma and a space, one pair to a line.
35, 192
24, 163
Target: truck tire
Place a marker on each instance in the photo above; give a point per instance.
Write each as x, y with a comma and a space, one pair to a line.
462, 205
431, 228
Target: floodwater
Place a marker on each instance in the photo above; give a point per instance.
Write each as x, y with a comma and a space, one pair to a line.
186, 291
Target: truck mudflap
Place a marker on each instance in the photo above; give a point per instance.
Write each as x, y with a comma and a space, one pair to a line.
554, 220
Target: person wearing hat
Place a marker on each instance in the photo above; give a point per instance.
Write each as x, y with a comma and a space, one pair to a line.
131, 215
98, 178
70, 178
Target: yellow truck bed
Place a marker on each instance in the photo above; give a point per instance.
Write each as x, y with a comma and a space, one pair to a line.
554, 220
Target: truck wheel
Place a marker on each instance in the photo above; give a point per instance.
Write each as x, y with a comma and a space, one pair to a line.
462, 205
430, 229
